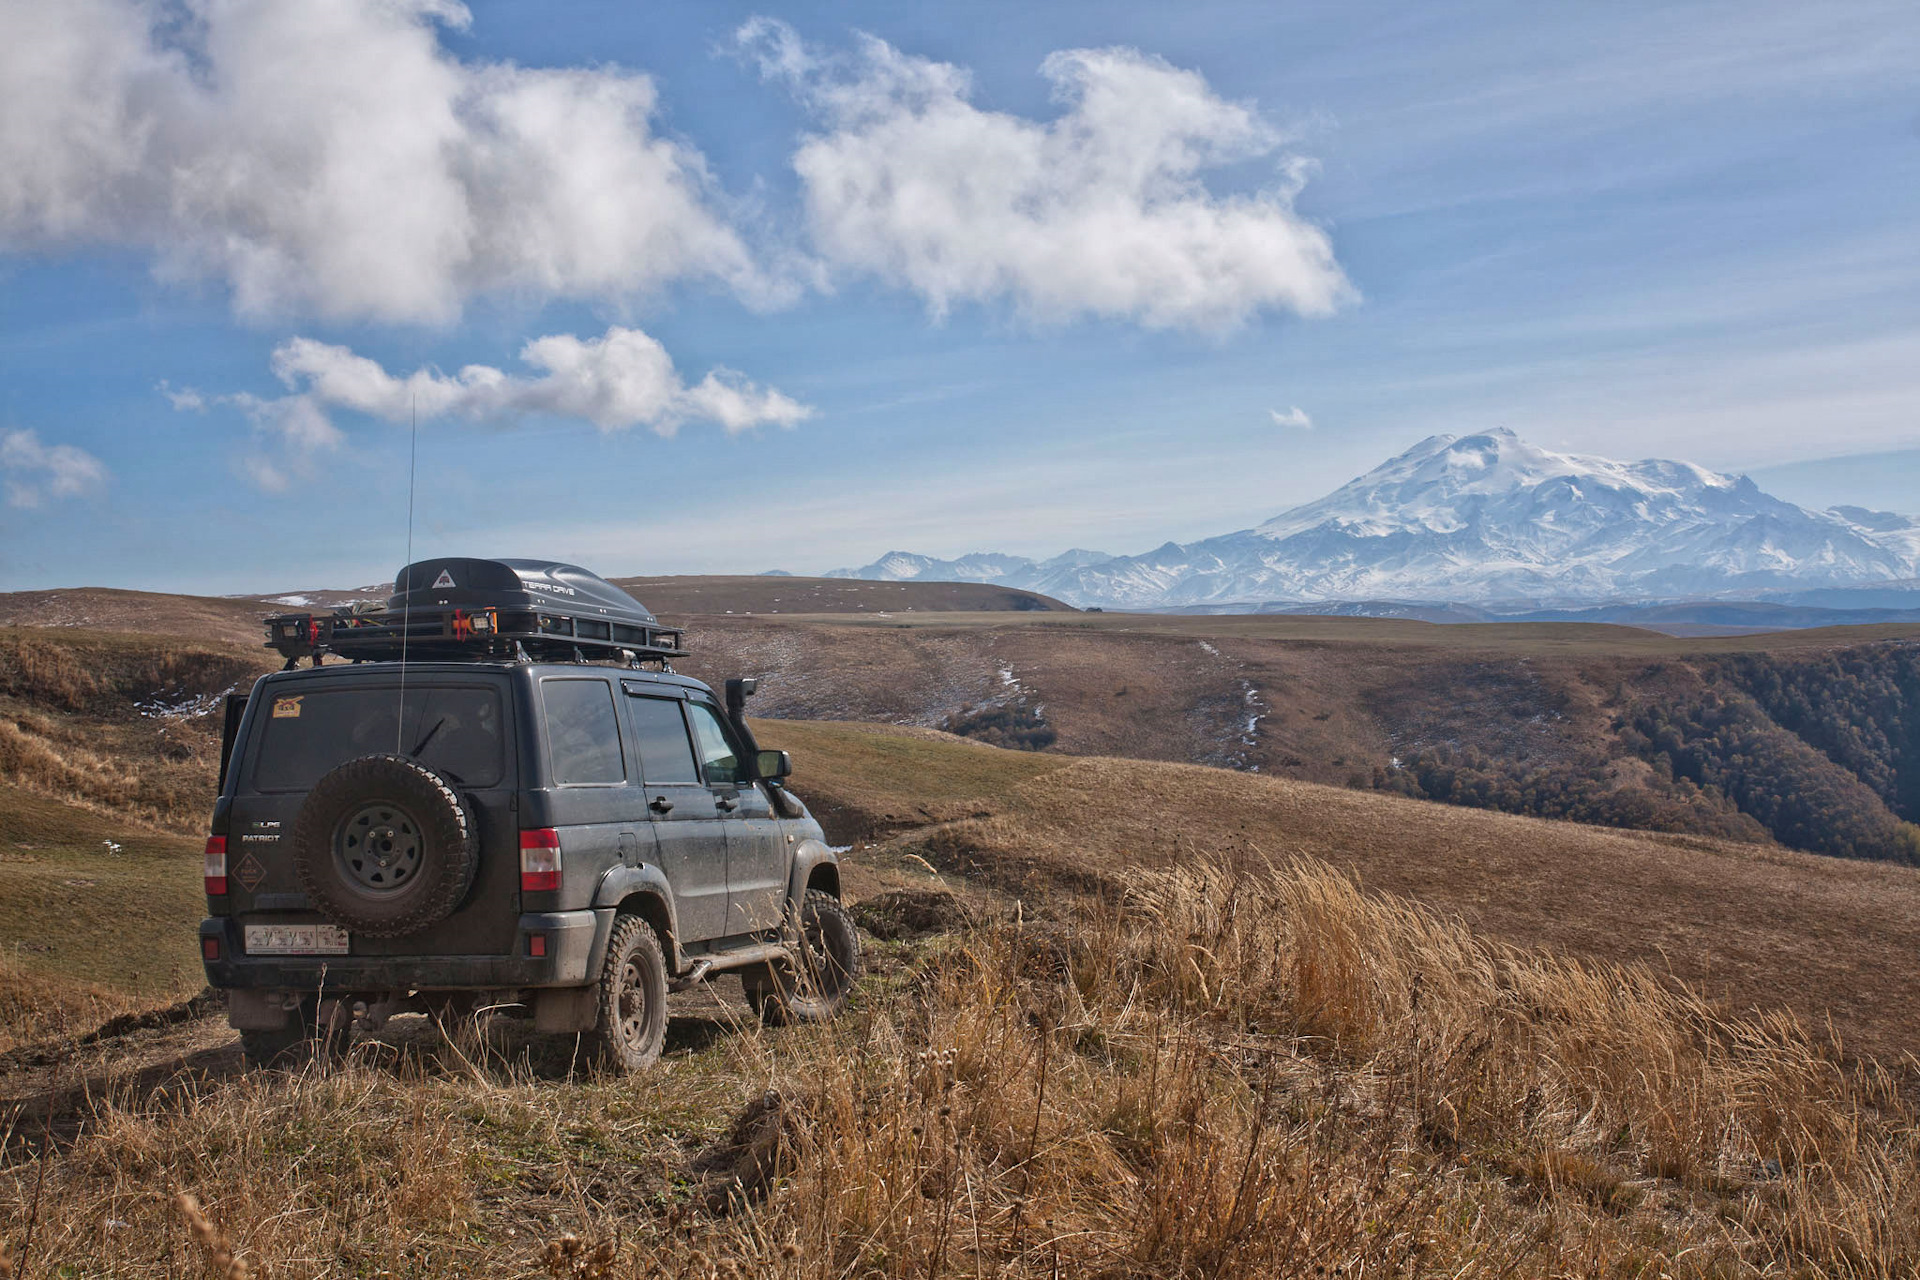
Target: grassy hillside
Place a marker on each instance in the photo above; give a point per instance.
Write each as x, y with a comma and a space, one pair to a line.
122, 724
1753, 926
100, 917
203, 618
1192, 1048
1811, 739
1807, 738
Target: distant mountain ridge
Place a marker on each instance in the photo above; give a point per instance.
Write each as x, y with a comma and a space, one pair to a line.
1486, 519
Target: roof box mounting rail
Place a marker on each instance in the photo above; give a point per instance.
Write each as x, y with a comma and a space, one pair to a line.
484, 610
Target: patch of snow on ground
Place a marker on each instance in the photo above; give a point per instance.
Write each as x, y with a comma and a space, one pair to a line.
1256, 712
296, 601
181, 705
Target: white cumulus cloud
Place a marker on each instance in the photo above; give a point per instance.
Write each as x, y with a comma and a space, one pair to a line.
335, 158
1102, 211
1294, 417
620, 380
36, 471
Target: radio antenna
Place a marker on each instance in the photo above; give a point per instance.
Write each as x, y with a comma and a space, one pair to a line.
406, 599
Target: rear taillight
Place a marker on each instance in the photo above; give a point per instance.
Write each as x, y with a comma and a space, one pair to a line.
216, 865
209, 949
539, 860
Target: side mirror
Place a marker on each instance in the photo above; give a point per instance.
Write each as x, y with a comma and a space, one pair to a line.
773, 765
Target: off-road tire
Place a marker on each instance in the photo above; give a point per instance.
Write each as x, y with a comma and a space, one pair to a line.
829, 954
430, 822
630, 1023
297, 1045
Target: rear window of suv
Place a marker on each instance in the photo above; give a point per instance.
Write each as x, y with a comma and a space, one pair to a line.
455, 730
582, 735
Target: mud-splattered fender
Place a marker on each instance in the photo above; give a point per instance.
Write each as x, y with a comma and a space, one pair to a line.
809, 856
643, 889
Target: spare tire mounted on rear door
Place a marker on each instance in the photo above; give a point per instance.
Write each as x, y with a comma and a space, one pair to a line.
384, 846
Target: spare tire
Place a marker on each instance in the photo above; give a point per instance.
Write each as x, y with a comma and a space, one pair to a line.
384, 846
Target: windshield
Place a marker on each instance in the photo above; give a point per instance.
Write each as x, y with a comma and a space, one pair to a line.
455, 730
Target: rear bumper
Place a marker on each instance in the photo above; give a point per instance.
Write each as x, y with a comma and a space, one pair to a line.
575, 942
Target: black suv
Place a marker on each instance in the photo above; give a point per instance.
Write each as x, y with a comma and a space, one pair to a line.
506, 797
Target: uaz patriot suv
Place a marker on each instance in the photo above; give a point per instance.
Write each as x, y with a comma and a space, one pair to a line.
500, 793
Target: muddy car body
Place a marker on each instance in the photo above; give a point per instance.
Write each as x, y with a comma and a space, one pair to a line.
485, 827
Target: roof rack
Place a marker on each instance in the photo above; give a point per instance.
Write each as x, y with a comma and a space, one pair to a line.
467, 610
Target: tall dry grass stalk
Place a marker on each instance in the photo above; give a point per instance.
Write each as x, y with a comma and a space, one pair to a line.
1227, 1074
1268, 1073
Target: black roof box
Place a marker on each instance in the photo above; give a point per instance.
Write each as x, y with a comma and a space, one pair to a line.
511, 584
462, 608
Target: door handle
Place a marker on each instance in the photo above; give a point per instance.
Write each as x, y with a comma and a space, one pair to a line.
660, 804
726, 804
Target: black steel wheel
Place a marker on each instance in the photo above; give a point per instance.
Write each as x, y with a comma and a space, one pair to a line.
378, 847
830, 967
631, 1022
385, 846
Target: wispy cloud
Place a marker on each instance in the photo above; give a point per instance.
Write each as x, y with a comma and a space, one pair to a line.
36, 472
337, 159
1295, 417
1100, 212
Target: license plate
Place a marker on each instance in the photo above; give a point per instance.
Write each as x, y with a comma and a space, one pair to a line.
296, 940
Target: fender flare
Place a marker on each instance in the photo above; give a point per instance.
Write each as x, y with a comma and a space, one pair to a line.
810, 855
623, 882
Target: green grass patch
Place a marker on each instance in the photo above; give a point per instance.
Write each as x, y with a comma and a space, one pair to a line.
87, 898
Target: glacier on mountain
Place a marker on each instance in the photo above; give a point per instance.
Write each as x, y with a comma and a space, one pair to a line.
1485, 518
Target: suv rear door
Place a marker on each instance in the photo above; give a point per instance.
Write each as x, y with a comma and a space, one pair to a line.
687, 826
462, 726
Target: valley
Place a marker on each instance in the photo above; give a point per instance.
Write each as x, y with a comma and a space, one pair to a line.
1806, 738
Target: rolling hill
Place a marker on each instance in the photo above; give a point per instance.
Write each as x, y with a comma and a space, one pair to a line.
1136, 1001
1122, 1016
1804, 737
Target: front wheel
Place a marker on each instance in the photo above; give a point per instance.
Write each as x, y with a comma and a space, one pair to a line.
829, 955
631, 1024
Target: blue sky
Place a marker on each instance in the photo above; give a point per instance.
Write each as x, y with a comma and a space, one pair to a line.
740, 286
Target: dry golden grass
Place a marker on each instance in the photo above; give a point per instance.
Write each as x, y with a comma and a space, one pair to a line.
1229, 1072
202, 618
120, 724
862, 780
1753, 926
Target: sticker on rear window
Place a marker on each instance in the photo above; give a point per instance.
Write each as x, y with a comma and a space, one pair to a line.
287, 708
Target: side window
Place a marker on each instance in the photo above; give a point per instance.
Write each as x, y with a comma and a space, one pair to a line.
717, 755
665, 754
582, 734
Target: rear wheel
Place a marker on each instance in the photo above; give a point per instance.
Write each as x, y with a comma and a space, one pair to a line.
829, 955
631, 1022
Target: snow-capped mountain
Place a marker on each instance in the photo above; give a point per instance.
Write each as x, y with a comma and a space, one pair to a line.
1485, 518
985, 566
